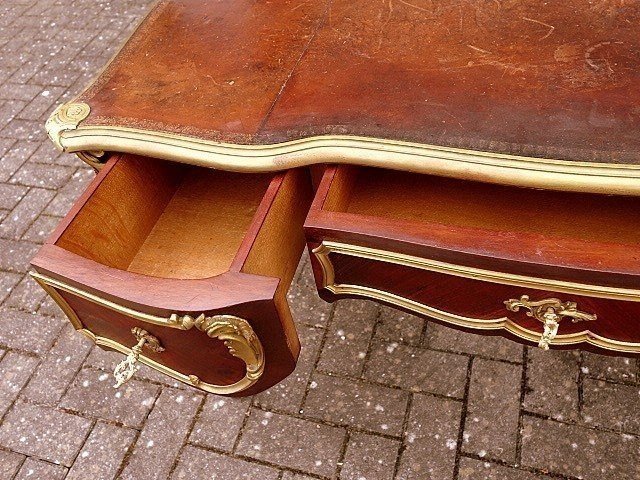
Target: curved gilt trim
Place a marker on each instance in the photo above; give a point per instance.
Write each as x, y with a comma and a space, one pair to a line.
329, 282
235, 332
64, 118
398, 155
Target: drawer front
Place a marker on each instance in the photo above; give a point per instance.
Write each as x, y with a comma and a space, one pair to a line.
184, 269
218, 353
602, 319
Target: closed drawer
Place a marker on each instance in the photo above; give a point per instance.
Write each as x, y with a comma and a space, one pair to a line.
490, 259
190, 264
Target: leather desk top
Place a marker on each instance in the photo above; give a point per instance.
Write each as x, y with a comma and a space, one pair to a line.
522, 92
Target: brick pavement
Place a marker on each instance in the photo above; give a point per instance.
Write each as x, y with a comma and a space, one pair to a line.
377, 395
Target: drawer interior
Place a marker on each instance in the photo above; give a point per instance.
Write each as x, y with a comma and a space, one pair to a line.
405, 197
165, 219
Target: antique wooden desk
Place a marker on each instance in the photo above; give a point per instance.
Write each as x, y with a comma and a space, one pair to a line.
476, 165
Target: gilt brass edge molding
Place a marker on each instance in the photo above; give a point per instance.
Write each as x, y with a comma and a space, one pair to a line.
174, 321
235, 332
64, 118
420, 158
503, 323
600, 291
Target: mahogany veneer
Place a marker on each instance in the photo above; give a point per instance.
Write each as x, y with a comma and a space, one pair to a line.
160, 239
455, 251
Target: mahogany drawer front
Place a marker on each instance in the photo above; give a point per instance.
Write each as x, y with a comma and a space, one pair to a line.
470, 275
192, 260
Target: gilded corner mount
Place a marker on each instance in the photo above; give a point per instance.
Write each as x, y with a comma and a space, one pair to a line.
66, 117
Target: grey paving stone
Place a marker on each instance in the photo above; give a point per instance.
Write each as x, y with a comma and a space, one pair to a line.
163, 435
445, 338
8, 281
357, 404
219, 422
22, 216
493, 408
44, 432
472, 469
431, 439
15, 256
292, 443
42, 176
102, 453
41, 228
370, 457
58, 368
10, 195
579, 452
27, 295
295, 476
287, 396
33, 469
197, 463
10, 463
306, 306
418, 369
618, 369
552, 383
18, 327
345, 349
92, 394
397, 326
612, 406
15, 370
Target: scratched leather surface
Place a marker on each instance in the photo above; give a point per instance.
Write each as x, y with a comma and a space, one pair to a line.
548, 79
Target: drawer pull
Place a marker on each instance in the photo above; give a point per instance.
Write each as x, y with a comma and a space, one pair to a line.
549, 311
126, 368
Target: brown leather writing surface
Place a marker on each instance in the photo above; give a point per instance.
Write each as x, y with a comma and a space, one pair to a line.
548, 79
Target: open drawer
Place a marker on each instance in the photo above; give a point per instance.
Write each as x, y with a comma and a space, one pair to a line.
542, 267
185, 268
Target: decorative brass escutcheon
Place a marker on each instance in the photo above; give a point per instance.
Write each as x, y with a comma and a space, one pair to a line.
549, 311
126, 368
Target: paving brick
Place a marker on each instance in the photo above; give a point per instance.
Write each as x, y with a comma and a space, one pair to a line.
92, 394
173, 412
370, 457
306, 306
10, 463
41, 228
58, 368
33, 469
292, 443
8, 281
67, 195
15, 256
619, 369
445, 338
42, 104
27, 130
493, 408
397, 326
17, 91
219, 422
417, 369
103, 453
42, 176
10, 195
345, 349
15, 157
43, 432
27, 295
472, 469
197, 463
579, 452
15, 370
287, 396
18, 327
27, 210
611, 406
431, 439
552, 387
295, 476
357, 404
